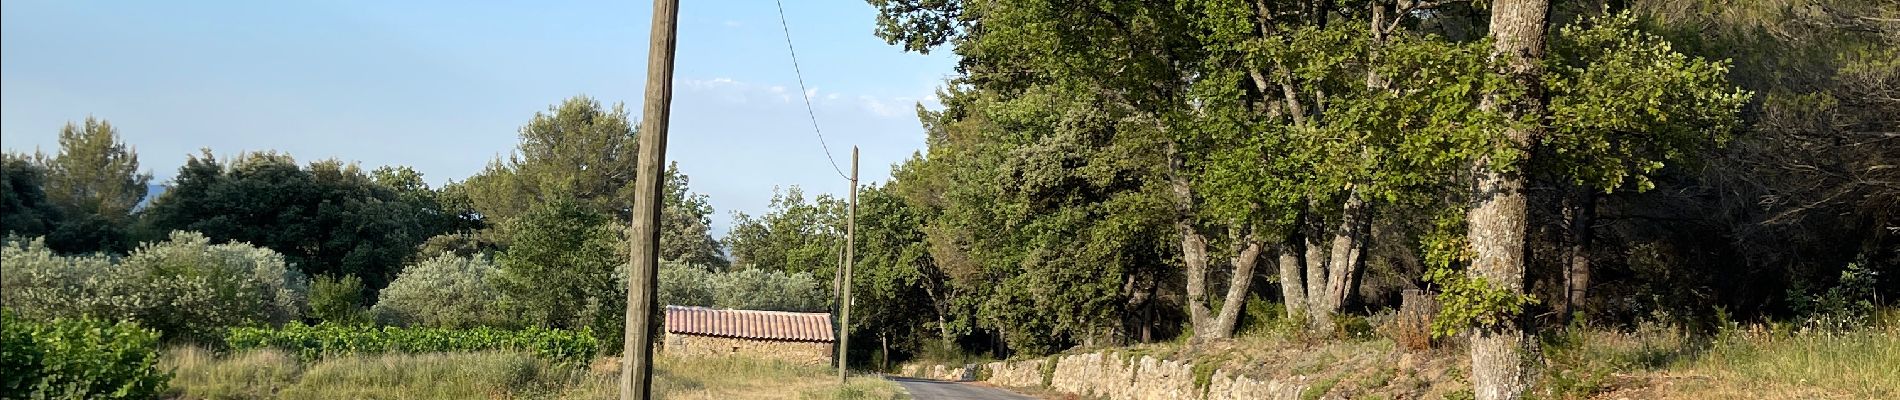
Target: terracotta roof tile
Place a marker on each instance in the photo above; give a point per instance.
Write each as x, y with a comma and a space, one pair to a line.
749, 324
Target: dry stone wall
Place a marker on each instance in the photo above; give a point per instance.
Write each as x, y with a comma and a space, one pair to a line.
1117, 376
940, 372
814, 353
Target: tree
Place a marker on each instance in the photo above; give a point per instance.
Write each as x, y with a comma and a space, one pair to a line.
795, 235
686, 222
1497, 221
329, 217
895, 279
583, 152
95, 181
559, 273
24, 207
95, 173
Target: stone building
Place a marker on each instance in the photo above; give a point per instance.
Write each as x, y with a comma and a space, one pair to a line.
795, 337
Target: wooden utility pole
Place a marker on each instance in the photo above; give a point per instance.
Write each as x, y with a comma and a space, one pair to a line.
850, 243
636, 373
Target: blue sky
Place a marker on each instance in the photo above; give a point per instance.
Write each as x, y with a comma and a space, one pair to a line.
442, 86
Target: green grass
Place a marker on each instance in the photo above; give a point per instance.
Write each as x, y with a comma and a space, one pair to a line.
1859, 363
1319, 389
1772, 361
272, 374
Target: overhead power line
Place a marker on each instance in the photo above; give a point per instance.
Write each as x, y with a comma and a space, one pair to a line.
804, 93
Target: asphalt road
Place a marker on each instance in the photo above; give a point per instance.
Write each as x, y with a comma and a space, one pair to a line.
925, 389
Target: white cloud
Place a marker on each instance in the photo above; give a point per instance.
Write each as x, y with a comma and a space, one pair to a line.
877, 106
741, 92
780, 91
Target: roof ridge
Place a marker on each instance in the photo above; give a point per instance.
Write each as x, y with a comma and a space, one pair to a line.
745, 310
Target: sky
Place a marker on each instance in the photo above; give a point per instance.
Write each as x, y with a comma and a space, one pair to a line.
444, 86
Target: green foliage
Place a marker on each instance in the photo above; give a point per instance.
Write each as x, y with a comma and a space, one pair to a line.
1261, 317
186, 288
95, 182
1624, 103
583, 152
24, 207
338, 300
1319, 389
795, 235
327, 218
1846, 305
560, 271
1469, 302
895, 282
78, 359
749, 289
95, 172
447, 291
312, 342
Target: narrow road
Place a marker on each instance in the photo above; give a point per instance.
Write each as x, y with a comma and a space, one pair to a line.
925, 389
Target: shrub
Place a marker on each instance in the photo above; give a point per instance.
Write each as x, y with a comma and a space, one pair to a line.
750, 289
448, 291
312, 342
1846, 305
338, 300
186, 288
684, 284
755, 289
79, 359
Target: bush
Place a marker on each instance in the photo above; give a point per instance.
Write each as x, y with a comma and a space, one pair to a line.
448, 291
312, 342
750, 289
338, 300
79, 359
684, 284
1847, 305
186, 288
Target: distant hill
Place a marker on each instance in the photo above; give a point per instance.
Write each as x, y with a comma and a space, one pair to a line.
151, 193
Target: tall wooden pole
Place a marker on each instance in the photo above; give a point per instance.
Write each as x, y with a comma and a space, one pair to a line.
850, 243
636, 373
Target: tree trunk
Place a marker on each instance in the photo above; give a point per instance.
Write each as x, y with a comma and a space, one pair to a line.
1318, 314
1292, 282
1194, 255
1237, 285
1496, 223
1346, 245
1577, 269
1148, 315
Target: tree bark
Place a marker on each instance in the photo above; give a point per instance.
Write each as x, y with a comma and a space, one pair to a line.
1346, 245
1577, 269
1318, 313
1237, 286
1194, 256
1497, 223
1292, 280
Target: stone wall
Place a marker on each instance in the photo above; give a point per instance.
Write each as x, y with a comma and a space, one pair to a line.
1017, 374
940, 372
1116, 376
815, 353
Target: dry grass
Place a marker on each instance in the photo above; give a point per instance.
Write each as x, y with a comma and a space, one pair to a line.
199, 374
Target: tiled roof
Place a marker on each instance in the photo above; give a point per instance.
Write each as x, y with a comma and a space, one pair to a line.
766, 325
